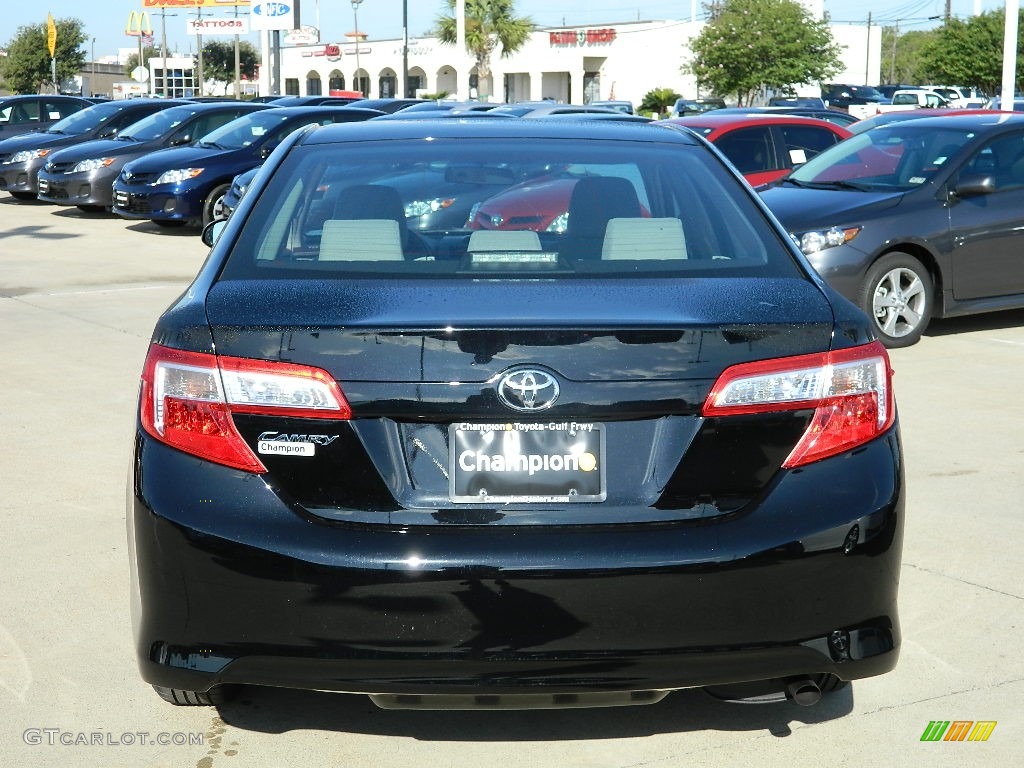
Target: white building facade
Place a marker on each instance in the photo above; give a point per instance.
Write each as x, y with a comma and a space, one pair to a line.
568, 64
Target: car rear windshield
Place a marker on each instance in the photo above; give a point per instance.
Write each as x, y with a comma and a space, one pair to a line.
518, 207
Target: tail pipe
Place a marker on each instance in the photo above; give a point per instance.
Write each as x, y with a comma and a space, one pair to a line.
804, 691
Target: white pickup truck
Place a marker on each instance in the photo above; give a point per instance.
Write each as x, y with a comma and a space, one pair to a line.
915, 98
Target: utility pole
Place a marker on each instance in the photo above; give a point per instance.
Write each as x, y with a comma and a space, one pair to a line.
238, 64
867, 57
199, 46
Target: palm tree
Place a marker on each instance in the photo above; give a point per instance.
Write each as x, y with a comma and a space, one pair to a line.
489, 23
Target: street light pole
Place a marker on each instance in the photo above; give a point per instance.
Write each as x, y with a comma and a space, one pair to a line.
405, 49
355, 19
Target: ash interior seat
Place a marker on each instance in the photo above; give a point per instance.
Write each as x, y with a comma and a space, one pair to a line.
595, 201
368, 225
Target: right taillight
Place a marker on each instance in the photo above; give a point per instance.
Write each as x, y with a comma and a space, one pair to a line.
850, 391
187, 400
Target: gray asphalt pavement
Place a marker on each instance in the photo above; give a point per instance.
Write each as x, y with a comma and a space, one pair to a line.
78, 297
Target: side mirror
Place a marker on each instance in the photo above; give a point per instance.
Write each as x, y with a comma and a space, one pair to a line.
178, 141
106, 133
212, 232
974, 185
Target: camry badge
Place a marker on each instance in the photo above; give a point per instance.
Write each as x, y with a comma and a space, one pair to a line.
528, 389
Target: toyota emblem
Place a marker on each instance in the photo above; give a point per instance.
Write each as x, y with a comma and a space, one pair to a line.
528, 389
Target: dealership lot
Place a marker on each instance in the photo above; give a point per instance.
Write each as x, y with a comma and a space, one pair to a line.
78, 297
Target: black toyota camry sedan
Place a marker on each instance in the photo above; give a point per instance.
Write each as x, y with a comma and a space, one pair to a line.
451, 467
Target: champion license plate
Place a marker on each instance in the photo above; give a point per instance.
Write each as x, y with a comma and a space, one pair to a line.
558, 461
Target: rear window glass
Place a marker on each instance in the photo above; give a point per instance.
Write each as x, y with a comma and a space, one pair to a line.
504, 207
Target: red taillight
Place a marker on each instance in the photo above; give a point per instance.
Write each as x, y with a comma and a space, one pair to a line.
850, 391
188, 397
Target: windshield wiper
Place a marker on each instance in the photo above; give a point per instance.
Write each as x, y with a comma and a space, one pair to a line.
836, 184
205, 144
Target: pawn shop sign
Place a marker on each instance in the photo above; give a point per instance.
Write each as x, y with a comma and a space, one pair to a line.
51, 35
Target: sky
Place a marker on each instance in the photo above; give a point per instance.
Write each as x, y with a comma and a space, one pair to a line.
105, 20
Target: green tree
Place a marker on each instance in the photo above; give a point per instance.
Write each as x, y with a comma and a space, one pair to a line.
658, 100
749, 46
148, 52
970, 52
26, 69
901, 56
490, 24
219, 61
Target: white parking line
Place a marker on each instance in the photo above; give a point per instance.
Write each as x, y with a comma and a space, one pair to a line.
105, 290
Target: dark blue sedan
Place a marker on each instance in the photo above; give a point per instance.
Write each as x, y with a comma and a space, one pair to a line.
186, 185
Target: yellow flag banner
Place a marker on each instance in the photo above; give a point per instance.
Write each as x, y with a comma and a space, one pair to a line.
51, 35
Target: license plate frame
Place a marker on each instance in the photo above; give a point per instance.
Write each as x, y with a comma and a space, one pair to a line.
528, 463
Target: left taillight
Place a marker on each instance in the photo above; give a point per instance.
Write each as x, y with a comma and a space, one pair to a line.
188, 398
850, 391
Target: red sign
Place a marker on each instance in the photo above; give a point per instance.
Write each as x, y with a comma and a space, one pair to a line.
582, 37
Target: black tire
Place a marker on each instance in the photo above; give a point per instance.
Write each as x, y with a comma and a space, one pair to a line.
213, 208
168, 223
92, 208
211, 698
897, 295
17, 195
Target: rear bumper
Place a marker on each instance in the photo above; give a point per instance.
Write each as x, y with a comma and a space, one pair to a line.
232, 585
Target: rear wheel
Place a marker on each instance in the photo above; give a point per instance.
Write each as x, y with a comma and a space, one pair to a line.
213, 210
897, 296
211, 698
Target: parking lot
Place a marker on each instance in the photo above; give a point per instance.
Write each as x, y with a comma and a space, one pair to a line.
78, 297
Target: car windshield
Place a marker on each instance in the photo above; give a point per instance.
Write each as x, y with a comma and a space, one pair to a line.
85, 120
899, 156
247, 130
489, 207
158, 124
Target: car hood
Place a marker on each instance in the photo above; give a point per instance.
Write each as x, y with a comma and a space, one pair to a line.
182, 157
803, 209
39, 140
105, 148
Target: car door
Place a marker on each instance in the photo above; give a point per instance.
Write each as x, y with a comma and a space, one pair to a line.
988, 257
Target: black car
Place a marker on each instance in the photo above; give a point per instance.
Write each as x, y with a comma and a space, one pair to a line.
915, 219
389, 106
22, 157
314, 101
453, 468
82, 175
34, 112
834, 116
186, 185
844, 96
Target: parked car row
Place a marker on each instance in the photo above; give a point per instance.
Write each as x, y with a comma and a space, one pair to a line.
910, 220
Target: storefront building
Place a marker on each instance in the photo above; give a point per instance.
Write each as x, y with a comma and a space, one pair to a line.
568, 64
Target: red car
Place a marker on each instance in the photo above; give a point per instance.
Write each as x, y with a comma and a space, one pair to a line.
762, 147
765, 147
